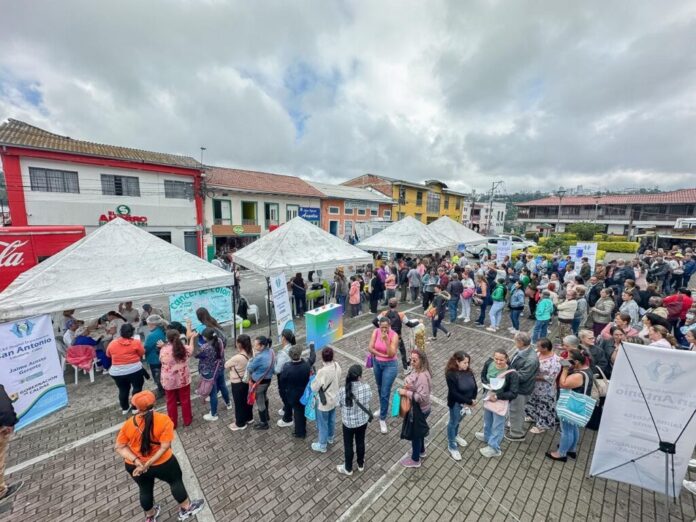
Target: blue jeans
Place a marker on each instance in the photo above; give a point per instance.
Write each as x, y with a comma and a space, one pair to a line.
540, 330
453, 304
515, 318
496, 313
341, 299
575, 325
385, 375
437, 324
493, 428
218, 385
455, 417
326, 426
482, 316
418, 445
570, 434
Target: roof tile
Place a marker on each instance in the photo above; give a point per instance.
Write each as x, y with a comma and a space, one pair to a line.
260, 182
683, 196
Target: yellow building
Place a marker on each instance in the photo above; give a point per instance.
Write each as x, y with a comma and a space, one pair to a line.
425, 202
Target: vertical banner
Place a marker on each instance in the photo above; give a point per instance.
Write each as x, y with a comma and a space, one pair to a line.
218, 301
281, 303
651, 390
503, 249
588, 250
30, 370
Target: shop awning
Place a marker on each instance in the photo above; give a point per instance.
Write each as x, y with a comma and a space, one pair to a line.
408, 236
299, 246
115, 263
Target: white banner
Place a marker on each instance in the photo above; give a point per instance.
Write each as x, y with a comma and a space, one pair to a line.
504, 248
588, 250
30, 370
627, 431
281, 303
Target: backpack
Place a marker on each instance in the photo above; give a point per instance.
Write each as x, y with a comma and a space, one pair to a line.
674, 308
395, 320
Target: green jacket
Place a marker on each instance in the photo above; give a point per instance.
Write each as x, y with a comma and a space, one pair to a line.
544, 309
498, 293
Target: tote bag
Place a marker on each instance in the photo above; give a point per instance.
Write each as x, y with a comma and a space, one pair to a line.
396, 404
575, 408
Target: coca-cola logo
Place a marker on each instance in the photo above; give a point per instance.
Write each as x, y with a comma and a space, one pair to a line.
10, 253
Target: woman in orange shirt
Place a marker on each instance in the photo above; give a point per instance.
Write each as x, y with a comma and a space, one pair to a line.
126, 368
145, 442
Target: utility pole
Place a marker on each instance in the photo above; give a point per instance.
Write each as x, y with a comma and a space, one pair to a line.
560, 193
494, 186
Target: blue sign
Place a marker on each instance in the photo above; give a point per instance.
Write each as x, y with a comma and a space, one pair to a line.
309, 213
218, 301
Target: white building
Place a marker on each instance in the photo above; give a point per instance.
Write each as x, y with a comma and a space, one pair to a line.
484, 217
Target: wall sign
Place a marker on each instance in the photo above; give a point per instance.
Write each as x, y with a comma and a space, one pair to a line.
123, 212
309, 213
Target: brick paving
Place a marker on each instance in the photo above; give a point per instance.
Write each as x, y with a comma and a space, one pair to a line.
270, 475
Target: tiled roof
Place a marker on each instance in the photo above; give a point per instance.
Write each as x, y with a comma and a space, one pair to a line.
684, 196
260, 182
356, 193
16, 133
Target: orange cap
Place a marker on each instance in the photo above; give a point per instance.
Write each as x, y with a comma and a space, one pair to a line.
143, 400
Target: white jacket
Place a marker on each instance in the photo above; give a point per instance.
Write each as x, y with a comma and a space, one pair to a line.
328, 378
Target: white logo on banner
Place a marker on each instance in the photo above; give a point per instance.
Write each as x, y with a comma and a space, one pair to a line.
9, 255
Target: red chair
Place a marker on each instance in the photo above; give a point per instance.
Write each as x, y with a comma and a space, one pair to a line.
82, 357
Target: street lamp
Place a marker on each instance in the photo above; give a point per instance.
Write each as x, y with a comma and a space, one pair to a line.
596, 206
560, 193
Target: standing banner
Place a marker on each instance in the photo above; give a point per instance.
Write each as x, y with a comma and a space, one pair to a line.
588, 250
503, 249
281, 303
651, 391
30, 370
218, 301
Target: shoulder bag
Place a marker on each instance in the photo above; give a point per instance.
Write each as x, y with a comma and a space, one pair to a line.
575, 408
251, 395
601, 385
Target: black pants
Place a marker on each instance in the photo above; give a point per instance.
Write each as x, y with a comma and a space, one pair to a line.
374, 302
243, 412
402, 350
532, 307
169, 472
125, 383
299, 419
359, 435
156, 370
427, 298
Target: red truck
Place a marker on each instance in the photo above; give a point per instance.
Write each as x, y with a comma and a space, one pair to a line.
24, 247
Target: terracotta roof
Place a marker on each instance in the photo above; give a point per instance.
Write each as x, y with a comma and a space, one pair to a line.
683, 196
16, 133
355, 193
260, 182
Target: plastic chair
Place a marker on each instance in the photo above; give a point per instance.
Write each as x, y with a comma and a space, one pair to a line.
254, 310
82, 357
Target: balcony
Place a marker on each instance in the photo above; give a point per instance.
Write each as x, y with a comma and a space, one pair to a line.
248, 221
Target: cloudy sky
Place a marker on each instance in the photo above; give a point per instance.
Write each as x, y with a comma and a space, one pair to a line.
537, 94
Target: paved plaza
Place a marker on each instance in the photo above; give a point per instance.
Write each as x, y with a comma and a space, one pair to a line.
71, 472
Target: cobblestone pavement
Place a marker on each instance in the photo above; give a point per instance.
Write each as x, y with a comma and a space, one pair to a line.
73, 474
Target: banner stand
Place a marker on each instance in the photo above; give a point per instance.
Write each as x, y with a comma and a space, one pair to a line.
234, 304
667, 448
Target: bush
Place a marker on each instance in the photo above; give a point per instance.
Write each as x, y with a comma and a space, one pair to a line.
615, 239
584, 231
626, 247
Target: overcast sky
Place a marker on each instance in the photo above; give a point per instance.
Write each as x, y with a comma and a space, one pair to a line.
538, 94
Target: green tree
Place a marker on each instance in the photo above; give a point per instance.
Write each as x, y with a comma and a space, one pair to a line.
585, 231
552, 244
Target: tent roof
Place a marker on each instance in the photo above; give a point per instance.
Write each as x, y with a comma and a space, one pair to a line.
448, 227
115, 263
407, 236
298, 246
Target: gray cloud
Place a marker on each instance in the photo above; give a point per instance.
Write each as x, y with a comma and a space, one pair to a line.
535, 93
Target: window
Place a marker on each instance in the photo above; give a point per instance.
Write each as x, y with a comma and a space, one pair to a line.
433, 206
178, 189
362, 212
348, 211
387, 214
402, 196
419, 198
614, 210
222, 212
271, 213
166, 236
374, 212
120, 185
249, 213
348, 228
570, 211
50, 180
419, 216
334, 210
291, 211
446, 202
458, 203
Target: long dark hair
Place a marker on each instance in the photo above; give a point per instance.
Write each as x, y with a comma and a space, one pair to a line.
453, 363
210, 335
116, 314
289, 336
265, 342
204, 317
147, 433
354, 373
178, 348
244, 342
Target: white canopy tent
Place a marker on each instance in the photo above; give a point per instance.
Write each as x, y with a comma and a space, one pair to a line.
117, 262
408, 236
457, 232
298, 246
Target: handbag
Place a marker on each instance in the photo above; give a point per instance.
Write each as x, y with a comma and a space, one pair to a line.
575, 408
396, 404
205, 385
601, 385
477, 300
310, 411
368, 361
307, 394
251, 394
431, 312
468, 293
404, 406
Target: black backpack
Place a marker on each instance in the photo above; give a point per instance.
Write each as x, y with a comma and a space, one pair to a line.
394, 320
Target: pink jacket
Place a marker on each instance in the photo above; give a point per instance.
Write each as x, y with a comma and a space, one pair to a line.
419, 386
354, 293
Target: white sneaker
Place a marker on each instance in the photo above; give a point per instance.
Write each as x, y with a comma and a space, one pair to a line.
361, 468
376, 413
281, 411
479, 436
210, 418
207, 399
461, 442
282, 424
230, 406
489, 452
692, 463
492, 329
234, 427
689, 486
455, 454
383, 426
511, 329
343, 471
467, 320
125, 412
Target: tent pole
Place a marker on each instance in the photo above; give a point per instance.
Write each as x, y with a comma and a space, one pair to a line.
271, 309
234, 304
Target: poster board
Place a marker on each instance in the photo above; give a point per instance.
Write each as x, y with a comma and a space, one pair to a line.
588, 250
218, 301
30, 368
627, 431
281, 303
504, 248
